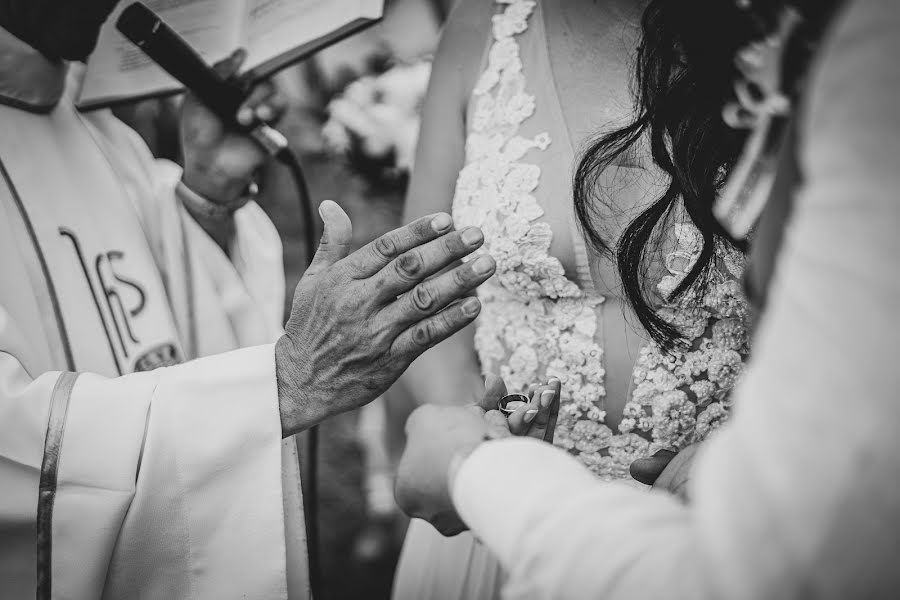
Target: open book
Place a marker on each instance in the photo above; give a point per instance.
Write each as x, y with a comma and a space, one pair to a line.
275, 33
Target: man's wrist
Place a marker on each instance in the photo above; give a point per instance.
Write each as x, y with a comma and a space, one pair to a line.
298, 412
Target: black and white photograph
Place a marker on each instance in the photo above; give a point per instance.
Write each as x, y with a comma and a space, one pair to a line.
449, 299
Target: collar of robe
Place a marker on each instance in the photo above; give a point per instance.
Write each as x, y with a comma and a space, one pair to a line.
28, 79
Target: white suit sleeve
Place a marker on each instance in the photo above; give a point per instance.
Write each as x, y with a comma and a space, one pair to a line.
797, 496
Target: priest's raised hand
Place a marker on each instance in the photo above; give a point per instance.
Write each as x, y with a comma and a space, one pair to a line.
358, 321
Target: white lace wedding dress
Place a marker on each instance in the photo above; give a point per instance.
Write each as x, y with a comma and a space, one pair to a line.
543, 312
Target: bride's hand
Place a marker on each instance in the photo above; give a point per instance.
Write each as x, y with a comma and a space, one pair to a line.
537, 418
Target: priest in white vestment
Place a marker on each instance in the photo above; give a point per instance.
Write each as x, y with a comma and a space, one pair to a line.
105, 272
119, 481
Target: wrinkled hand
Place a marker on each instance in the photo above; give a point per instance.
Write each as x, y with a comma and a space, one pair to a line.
358, 321
667, 470
219, 162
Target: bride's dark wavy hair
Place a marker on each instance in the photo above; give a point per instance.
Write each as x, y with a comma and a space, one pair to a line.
684, 74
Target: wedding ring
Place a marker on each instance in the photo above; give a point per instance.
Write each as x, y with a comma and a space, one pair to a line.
511, 402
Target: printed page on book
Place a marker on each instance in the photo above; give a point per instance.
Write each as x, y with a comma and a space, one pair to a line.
275, 33
279, 32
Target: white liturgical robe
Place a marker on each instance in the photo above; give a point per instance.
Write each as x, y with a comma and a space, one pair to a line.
124, 470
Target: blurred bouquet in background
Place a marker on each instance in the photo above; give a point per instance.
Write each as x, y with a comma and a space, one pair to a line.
374, 122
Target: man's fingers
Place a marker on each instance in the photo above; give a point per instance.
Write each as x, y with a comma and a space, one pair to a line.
647, 470
475, 409
264, 105
494, 389
335, 240
229, 67
435, 329
414, 265
676, 475
376, 255
434, 294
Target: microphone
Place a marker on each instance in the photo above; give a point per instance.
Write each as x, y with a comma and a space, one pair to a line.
142, 27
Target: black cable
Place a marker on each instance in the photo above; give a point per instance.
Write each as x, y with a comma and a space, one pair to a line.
288, 158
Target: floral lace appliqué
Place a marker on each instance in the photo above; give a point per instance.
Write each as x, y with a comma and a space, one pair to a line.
537, 323
681, 397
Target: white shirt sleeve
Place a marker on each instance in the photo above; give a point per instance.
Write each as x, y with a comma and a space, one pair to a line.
560, 533
798, 495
